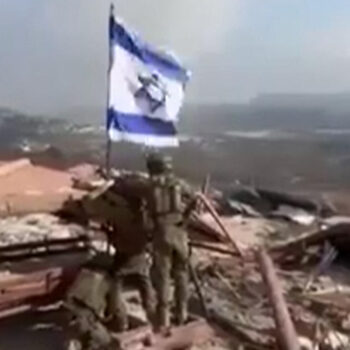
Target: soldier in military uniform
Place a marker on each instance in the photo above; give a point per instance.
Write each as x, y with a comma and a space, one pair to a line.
87, 301
170, 238
122, 210
96, 298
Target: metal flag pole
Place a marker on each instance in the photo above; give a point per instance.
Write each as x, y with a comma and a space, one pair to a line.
110, 60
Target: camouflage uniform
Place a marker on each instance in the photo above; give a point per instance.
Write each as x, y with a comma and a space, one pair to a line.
87, 300
170, 241
128, 234
135, 270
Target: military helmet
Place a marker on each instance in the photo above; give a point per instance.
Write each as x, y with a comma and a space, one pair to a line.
158, 163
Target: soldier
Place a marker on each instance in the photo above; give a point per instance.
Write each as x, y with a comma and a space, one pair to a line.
87, 301
96, 298
120, 208
170, 238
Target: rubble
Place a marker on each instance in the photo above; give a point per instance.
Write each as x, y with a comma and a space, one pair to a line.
218, 221
256, 202
36, 227
197, 332
337, 235
299, 216
230, 286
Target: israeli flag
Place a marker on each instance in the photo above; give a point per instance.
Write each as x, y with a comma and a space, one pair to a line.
146, 90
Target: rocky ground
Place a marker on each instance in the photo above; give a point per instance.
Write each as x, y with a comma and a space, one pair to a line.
35, 331
233, 289
36, 227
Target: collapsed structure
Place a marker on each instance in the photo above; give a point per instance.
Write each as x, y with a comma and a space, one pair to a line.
298, 301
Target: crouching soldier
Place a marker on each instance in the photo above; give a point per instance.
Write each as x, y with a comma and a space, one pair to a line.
133, 270
86, 302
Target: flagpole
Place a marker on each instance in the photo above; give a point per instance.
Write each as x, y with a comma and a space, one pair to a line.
108, 158
109, 142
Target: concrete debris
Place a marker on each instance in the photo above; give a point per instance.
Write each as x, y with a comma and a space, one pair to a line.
257, 202
36, 227
248, 231
219, 222
196, 333
33, 283
299, 216
337, 234
337, 340
334, 220
237, 207
301, 299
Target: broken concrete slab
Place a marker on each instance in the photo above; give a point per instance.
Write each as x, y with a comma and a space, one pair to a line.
36, 227
196, 332
253, 201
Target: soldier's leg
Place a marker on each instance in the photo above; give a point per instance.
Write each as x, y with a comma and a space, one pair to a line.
162, 261
93, 334
117, 309
180, 269
147, 295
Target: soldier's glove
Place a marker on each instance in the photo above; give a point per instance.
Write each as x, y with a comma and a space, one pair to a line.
191, 207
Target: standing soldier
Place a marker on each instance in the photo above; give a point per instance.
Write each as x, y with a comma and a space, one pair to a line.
170, 238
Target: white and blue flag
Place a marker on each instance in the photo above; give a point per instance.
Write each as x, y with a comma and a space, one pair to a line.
146, 90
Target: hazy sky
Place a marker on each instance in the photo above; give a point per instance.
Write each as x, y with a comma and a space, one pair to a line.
54, 52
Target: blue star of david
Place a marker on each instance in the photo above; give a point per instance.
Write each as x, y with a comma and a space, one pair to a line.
153, 90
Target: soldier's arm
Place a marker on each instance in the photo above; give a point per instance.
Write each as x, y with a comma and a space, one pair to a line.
192, 199
187, 190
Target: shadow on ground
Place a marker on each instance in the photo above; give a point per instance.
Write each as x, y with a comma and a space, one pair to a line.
34, 331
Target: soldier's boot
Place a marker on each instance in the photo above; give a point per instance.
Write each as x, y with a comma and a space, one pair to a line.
181, 290
117, 310
100, 338
147, 297
163, 317
73, 344
93, 334
181, 311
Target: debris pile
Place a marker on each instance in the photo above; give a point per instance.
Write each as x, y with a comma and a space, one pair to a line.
270, 270
257, 202
315, 286
36, 227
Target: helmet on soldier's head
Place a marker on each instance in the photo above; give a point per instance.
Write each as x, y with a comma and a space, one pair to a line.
158, 164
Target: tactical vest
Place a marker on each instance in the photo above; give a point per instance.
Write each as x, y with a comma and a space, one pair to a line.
167, 202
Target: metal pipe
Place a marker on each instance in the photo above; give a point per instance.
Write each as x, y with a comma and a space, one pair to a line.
217, 219
285, 332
